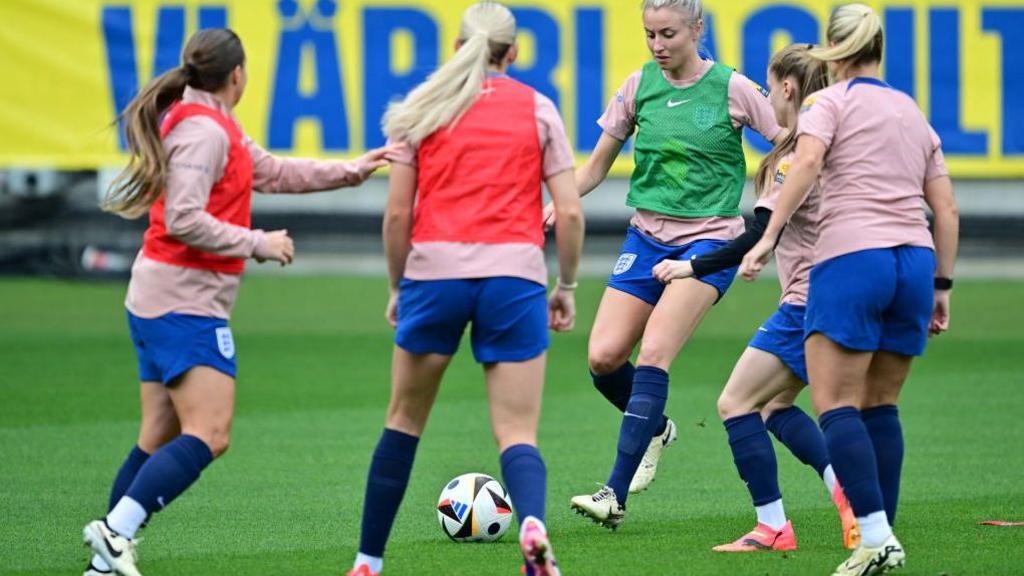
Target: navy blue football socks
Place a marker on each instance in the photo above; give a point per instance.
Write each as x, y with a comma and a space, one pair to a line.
617, 387
527, 480
883, 424
129, 469
754, 456
853, 458
385, 487
169, 472
798, 432
642, 416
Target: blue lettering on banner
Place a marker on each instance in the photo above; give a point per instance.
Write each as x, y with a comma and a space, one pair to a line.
900, 38
1009, 24
308, 31
708, 48
945, 86
589, 76
381, 83
119, 39
547, 51
758, 31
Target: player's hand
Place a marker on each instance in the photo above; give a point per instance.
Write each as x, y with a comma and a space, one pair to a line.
374, 160
562, 310
940, 314
669, 270
756, 259
276, 246
549, 216
391, 313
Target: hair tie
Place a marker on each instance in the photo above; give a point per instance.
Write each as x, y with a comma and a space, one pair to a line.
190, 70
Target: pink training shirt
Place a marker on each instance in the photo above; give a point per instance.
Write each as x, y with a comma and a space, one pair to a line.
197, 152
448, 260
748, 106
795, 251
881, 151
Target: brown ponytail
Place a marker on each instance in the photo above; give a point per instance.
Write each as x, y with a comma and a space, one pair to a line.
209, 59
793, 61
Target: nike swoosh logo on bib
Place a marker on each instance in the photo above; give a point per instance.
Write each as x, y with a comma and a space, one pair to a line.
673, 103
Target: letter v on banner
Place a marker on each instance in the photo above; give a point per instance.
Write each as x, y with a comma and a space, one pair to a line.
119, 37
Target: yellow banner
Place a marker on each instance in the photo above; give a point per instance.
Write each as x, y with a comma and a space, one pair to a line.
322, 71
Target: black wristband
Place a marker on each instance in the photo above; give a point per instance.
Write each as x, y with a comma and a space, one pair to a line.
943, 283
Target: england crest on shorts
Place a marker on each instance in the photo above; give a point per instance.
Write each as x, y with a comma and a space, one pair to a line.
625, 263
225, 342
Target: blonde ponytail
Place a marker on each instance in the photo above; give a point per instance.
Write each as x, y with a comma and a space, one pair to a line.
855, 35
488, 32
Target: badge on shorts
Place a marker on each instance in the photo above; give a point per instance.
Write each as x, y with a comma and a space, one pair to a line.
225, 343
625, 263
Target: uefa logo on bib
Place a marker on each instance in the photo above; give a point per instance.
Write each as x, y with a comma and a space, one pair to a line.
624, 264
225, 343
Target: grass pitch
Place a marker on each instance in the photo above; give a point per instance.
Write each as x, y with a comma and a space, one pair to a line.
313, 384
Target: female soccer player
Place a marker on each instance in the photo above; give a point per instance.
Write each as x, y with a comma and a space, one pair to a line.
688, 114
880, 283
772, 370
463, 234
193, 170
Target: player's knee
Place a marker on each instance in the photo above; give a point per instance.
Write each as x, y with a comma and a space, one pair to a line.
654, 353
218, 441
731, 406
606, 360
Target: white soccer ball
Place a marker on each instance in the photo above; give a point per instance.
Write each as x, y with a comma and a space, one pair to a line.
474, 508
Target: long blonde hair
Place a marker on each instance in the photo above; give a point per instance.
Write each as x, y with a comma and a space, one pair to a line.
854, 34
208, 60
794, 61
487, 33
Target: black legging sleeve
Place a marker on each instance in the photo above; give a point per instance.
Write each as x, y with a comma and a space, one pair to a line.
732, 253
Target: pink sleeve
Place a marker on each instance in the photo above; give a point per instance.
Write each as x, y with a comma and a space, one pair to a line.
197, 151
819, 116
407, 155
937, 162
771, 194
749, 106
276, 175
619, 119
554, 142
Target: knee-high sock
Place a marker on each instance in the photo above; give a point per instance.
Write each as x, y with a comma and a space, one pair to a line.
853, 458
526, 478
126, 474
754, 456
129, 468
164, 476
642, 416
385, 488
617, 387
883, 424
798, 432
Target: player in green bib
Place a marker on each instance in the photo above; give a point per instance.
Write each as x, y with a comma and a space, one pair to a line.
686, 115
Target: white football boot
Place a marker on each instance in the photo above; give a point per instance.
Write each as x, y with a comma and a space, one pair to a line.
649, 465
871, 561
602, 507
116, 550
92, 570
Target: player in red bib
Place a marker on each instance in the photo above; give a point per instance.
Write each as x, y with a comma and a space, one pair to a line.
463, 236
193, 171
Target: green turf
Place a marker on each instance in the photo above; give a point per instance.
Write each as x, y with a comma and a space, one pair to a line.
313, 385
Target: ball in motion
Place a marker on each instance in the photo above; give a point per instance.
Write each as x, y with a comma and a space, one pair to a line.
474, 508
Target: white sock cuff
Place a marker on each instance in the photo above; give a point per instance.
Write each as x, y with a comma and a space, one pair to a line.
126, 517
374, 563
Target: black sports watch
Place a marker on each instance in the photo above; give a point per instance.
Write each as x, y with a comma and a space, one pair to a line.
943, 283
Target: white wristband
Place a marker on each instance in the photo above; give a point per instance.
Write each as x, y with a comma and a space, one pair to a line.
567, 287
